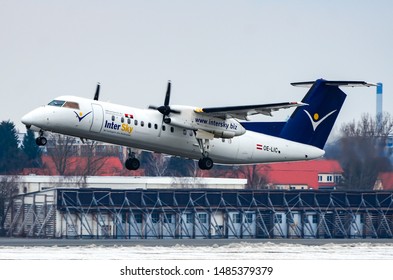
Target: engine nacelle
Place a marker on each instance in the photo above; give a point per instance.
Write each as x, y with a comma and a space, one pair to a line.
224, 134
189, 119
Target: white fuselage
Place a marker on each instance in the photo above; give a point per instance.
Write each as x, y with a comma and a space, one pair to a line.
141, 128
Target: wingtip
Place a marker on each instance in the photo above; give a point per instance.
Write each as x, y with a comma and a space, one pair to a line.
298, 103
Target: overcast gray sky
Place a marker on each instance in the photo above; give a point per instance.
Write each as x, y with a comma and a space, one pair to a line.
216, 53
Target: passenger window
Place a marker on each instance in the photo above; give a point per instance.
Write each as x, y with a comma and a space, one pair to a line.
72, 105
135, 122
129, 121
191, 133
149, 125
184, 132
163, 128
172, 129
155, 126
113, 118
57, 103
142, 123
122, 119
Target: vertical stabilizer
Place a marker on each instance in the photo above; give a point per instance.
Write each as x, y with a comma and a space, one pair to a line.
312, 124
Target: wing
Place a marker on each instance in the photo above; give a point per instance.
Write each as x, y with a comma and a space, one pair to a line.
242, 112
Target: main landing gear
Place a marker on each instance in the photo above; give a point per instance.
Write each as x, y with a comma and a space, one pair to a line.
205, 163
41, 140
132, 163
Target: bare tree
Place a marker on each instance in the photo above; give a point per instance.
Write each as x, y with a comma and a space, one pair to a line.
155, 164
361, 150
181, 167
61, 148
93, 162
256, 175
76, 161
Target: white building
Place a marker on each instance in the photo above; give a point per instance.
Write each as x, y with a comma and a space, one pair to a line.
34, 183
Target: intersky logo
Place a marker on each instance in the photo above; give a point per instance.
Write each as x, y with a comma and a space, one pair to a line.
315, 121
80, 116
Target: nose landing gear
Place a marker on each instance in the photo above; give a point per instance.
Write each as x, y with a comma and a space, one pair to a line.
132, 163
41, 140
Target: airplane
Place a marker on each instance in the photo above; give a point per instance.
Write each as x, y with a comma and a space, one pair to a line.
222, 135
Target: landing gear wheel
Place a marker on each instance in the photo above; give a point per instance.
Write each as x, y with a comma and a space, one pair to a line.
41, 141
205, 163
132, 164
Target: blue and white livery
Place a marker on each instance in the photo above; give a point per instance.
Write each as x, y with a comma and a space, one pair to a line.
219, 134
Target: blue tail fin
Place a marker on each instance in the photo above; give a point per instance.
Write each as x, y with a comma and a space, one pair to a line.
312, 124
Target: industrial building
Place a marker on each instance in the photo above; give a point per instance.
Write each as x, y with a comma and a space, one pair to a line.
199, 213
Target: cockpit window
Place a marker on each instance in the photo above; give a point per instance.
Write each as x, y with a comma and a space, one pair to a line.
65, 104
57, 103
72, 105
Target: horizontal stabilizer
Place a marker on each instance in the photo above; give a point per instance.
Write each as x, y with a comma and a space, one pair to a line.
336, 83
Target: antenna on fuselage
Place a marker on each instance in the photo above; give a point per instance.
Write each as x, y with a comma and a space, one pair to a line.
97, 95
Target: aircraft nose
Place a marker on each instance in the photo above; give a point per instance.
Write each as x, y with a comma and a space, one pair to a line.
27, 119
33, 118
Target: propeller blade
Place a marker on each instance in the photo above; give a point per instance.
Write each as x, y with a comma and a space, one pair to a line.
174, 111
168, 94
165, 109
97, 94
162, 123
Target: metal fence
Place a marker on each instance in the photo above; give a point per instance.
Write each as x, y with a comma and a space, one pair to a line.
201, 213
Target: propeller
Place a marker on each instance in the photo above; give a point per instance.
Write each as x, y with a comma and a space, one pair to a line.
97, 94
165, 109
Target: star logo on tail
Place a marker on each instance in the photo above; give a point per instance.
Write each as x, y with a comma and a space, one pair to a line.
315, 121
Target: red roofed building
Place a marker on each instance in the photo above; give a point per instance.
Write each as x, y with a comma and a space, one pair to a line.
384, 181
80, 166
315, 174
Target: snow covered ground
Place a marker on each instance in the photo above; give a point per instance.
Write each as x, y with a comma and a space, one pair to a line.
289, 259
233, 251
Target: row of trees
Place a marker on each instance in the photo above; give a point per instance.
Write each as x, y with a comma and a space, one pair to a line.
360, 148
13, 156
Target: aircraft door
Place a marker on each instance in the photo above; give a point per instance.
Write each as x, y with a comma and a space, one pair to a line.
98, 118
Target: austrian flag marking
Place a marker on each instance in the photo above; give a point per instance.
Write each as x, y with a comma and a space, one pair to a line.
259, 147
